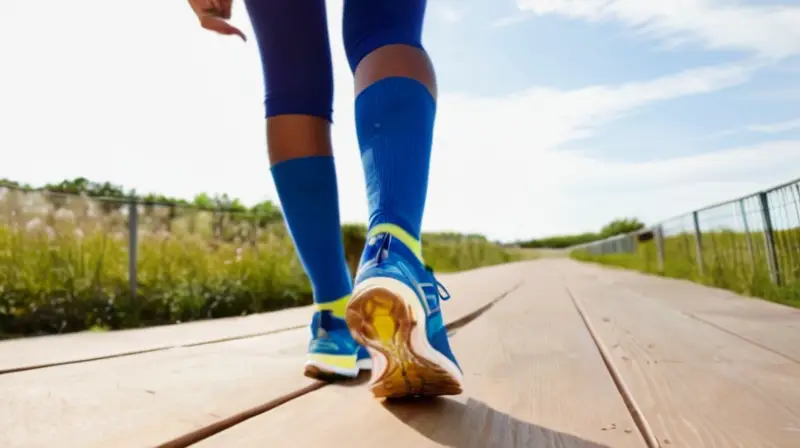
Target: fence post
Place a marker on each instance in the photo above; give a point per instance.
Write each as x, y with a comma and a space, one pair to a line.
747, 236
659, 235
133, 245
769, 239
797, 204
698, 244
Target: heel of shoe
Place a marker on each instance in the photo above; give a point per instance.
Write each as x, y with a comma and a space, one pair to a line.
392, 328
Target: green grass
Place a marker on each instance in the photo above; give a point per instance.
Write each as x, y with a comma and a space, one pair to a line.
729, 262
67, 270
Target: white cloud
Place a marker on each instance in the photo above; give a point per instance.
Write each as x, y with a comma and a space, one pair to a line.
508, 21
178, 110
768, 30
501, 157
768, 128
447, 11
774, 128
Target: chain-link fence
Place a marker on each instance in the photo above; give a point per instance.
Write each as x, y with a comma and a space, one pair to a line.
740, 244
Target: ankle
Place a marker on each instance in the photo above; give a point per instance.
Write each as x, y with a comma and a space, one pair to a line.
336, 307
412, 243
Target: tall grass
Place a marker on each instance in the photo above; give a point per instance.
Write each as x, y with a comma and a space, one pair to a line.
64, 264
736, 261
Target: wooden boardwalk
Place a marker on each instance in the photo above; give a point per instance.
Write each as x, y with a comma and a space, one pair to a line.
555, 354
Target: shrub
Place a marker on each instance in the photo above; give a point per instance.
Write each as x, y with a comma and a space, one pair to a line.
729, 262
64, 263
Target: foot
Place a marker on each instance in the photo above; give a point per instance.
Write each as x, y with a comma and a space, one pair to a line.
332, 352
395, 313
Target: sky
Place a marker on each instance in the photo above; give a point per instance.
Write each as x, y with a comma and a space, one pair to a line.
554, 116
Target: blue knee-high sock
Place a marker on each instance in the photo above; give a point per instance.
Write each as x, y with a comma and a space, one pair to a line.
309, 198
394, 122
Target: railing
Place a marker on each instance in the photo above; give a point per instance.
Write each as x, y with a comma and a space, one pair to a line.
750, 237
71, 263
68, 258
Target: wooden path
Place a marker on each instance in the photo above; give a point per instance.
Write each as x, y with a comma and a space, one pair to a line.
555, 354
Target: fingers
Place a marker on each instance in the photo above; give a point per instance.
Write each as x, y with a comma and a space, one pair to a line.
203, 7
223, 8
220, 26
212, 15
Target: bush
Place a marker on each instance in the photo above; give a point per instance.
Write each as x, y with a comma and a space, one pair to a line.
729, 262
616, 227
64, 264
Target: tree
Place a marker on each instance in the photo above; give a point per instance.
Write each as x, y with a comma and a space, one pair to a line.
267, 211
15, 185
620, 226
204, 201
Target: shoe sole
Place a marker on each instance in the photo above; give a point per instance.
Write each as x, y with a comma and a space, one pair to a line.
383, 317
324, 372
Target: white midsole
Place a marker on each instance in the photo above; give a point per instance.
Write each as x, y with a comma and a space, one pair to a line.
331, 369
419, 334
364, 364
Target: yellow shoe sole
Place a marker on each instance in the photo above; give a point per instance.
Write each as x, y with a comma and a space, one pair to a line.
404, 364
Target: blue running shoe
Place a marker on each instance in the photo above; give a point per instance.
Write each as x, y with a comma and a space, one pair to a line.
395, 313
332, 352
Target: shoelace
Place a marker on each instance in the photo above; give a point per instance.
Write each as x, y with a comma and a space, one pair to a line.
324, 323
443, 293
383, 252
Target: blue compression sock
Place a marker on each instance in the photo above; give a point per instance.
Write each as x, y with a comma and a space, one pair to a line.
394, 121
309, 197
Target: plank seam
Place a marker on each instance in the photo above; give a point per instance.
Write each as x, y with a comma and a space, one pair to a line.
721, 328
633, 408
661, 277
205, 432
743, 338
148, 350
468, 318
226, 423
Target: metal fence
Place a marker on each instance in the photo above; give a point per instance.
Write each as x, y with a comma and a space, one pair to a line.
69, 262
750, 237
106, 236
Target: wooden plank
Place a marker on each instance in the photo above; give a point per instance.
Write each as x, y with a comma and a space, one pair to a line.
533, 378
696, 385
20, 354
770, 325
147, 399
143, 400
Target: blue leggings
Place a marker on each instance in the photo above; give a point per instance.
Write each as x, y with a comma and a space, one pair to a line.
293, 41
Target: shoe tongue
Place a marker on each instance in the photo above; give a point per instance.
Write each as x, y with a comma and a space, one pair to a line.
385, 234
326, 324
377, 247
383, 252
323, 324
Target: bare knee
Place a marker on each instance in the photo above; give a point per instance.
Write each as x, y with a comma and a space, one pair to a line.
383, 38
297, 135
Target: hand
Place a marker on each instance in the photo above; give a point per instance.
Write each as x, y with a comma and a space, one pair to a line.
212, 15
